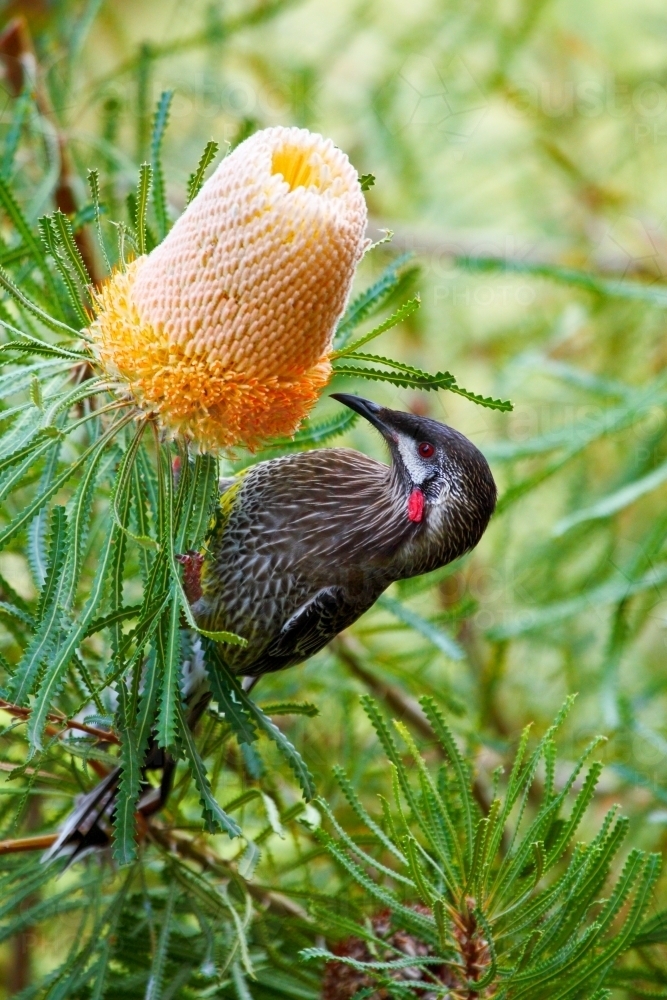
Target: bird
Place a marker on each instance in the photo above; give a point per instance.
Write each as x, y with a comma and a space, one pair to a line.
302, 545
299, 547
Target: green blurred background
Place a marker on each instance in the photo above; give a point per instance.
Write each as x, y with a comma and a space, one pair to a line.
519, 151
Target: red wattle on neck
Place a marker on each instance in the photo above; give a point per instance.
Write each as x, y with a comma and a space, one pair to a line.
416, 505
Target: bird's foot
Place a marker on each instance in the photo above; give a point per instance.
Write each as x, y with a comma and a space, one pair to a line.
192, 564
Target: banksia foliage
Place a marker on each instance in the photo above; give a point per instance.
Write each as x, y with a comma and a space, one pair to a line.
224, 331
470, 905
343, 981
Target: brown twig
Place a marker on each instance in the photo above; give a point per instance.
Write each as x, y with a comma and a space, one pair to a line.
29, 771
103, 735
21, 70
38, 843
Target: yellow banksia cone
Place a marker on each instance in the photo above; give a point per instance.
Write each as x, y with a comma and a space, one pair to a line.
224, 331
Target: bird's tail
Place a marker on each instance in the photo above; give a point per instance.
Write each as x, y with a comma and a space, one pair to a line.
89, 827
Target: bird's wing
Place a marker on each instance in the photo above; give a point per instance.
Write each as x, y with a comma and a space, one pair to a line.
308, 629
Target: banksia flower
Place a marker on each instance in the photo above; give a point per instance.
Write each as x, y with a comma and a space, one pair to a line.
224, 331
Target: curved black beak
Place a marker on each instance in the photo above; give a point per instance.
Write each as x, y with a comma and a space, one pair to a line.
368, 409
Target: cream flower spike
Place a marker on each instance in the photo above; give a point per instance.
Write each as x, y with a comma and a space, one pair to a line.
224, 331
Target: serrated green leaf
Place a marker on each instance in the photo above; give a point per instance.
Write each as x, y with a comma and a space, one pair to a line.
67, 242
505, 405
225, 696
169, 663
42, 498
56, 558
291, 708
54, 674
442, 380
143, 192
49, 321
160, 122
11, 207
215, 665
401, 314
34, 451
34, 346
370, 301
94, 184
216, 819
196, 179
124, 845
171, 516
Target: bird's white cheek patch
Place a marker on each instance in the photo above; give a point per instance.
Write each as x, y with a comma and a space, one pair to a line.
417, 469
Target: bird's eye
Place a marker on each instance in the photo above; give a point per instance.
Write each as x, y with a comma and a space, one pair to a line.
426, 449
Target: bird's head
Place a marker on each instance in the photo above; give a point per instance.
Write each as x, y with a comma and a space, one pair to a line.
435, 466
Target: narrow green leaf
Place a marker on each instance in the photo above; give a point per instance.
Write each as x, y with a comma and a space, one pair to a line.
154, 988
36, 549
215, 817
196, 179
356, 804
370, 301
426, 891
505, 405
160, 123
581, 803
48, 321
94, 184
124, 843
169, 535
71, 250
143, 191
401, 314
361, 966
291, 708
619, 588
442, 380
39, 446
614, 502
124, 478
34, 346
196, 514
393, 363
435, 635
80, 513
215, 663
65, 401
29, 511
54, 674
169, 658
23, 107
225, 696
11, 207
56, 558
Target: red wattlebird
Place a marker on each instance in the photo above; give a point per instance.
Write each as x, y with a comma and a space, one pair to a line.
301, 546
